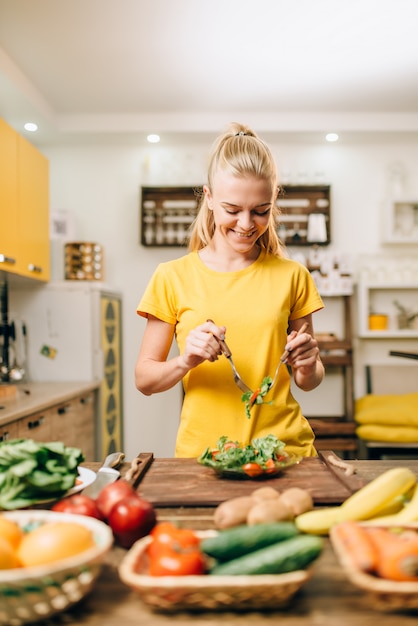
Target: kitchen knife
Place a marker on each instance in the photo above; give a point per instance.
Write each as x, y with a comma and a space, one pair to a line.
106, 474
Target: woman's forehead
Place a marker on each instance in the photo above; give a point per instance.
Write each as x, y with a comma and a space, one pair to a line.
227, 182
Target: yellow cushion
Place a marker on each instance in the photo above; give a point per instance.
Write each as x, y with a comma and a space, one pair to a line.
395, 409
390, 434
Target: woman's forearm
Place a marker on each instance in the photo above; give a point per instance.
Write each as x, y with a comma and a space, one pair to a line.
156, 376
308, 379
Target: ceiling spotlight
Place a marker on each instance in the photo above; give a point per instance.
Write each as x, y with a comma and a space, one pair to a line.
332, 137
31, 127
153, 138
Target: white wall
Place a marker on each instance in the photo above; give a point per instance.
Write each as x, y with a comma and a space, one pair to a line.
101, 186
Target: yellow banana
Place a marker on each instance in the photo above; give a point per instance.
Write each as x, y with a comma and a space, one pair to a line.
382, 497
370, 500
318, 521
409, 513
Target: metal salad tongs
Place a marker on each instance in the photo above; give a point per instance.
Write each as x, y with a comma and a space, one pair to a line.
285, 355
237, 378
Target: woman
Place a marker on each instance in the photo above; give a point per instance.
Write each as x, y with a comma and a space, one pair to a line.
236, 275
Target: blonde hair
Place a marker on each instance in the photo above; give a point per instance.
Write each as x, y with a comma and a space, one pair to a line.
239, 152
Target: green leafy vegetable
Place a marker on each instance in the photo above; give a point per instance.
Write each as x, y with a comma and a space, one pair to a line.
256, 397
231, 455
31, 471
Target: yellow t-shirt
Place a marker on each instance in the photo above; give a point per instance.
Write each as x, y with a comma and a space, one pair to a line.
255, 304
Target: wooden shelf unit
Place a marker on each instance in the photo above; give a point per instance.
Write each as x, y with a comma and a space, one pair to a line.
338, 432
298, 203
166, 214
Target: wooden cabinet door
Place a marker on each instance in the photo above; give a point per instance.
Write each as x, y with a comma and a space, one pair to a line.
9, 239
36, 426
33, 197
9, 431
73, 423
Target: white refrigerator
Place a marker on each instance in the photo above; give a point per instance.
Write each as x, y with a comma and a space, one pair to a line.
74, 334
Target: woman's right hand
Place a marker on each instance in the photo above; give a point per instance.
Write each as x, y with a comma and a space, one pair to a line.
203, 344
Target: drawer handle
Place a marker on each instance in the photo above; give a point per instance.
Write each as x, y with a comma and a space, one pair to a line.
86, 400
4, 436
7, 259
34, 268
36, 423
63, 409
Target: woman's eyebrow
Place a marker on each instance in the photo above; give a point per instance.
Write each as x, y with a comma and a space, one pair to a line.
237, 206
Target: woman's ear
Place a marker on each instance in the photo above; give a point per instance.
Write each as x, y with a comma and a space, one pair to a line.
208, 195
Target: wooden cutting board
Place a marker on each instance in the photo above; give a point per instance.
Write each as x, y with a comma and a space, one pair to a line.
184, 482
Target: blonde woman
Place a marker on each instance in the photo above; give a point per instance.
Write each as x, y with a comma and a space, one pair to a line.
236, 275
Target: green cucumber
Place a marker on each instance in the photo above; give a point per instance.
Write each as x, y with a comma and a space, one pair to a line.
286, 556
234, 542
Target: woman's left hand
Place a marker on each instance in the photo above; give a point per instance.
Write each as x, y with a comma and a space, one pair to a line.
304, 359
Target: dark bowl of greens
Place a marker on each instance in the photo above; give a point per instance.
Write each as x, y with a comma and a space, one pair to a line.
263, 458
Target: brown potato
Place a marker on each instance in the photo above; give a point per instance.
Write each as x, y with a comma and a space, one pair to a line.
297, 500
265, 493
232, 512
265, 511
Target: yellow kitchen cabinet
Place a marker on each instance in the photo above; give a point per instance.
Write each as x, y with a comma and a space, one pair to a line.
24, 207
33, 201
9, 239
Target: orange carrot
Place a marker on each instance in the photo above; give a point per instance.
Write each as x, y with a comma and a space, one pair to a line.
398, 553
357, 542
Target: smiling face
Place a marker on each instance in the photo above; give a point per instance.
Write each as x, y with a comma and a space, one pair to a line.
241, 210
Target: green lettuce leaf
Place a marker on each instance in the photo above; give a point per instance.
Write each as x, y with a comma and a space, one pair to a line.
32, 471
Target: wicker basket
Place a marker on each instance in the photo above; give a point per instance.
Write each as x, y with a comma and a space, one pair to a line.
35, 593
383, 594
196, 593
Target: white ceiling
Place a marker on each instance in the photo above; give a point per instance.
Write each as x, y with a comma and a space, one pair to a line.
119, 69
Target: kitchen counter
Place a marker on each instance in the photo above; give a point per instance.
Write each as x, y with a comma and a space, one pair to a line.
325, 600
33, 397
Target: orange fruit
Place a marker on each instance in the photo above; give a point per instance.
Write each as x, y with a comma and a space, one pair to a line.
11, 531
8, 557
54, 541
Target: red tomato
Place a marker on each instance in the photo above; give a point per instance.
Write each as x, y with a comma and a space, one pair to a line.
78, 504
167, 534
280, 458
254, 396
230, 444
173, 563
270, 466
252, 469
130, 519
111, 494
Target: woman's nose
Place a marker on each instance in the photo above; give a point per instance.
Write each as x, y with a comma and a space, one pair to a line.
246, 220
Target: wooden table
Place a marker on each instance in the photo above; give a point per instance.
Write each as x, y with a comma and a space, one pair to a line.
326, 600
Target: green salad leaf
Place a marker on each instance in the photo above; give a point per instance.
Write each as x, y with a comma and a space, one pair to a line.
31, 471
250, 398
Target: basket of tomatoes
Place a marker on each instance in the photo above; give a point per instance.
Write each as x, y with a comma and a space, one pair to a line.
48, 561
242, 568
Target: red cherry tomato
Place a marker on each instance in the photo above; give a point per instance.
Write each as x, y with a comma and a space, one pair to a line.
130, 519
78, 504
252, 469
111, 494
